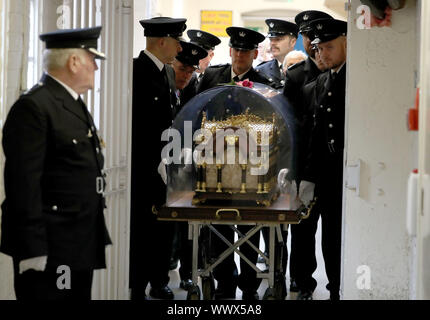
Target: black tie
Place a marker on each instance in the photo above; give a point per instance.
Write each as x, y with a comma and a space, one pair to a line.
236, 79
333, 76
164, 74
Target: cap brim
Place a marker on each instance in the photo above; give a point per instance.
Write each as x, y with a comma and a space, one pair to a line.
98, 54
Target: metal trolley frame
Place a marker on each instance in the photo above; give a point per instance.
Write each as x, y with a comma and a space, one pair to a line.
206, 217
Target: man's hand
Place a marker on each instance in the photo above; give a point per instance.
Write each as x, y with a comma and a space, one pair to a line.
286, 186
306, 192
38, 264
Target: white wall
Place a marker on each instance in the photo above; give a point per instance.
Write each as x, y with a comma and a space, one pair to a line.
381, 64
245, 13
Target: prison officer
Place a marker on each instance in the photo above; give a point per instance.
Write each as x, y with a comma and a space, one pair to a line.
207, 41
283, 37
53, 213
323, 172
154, 107
185, 64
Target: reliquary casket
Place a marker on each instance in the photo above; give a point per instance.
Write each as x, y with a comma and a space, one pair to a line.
241, 163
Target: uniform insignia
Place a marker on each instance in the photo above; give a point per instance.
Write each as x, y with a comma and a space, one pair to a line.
305, 17
320, 27
90, 134
102, 143
194, 52
272, 25
199, 34
242, 34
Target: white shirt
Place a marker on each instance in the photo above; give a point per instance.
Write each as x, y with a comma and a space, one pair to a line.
338, 70
240, 76
69, 90
158, 63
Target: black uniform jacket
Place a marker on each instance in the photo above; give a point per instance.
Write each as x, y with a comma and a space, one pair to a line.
221, 74
53, 166
296, 77
326, 146
271, 71
154, 108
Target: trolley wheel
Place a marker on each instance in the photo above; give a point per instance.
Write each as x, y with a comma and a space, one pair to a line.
280, 287
208, 288
193, 293
269, 294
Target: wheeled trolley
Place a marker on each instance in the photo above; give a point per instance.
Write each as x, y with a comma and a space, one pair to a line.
206, 218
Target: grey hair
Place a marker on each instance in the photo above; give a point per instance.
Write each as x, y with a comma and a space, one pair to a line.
295, 53
57, 58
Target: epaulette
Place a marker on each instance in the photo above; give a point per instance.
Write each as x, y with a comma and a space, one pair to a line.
292, 67
263, 63
33, 89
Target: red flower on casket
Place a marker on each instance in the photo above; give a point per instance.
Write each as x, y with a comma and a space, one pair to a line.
246, 83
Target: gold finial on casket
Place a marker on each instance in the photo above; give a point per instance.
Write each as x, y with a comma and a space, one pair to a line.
204, 119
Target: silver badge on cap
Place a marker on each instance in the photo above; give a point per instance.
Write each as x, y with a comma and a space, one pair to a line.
320, 27
271, 25
242, 34
199, 34
194, 52
305, 17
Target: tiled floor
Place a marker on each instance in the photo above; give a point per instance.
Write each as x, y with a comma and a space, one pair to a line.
320, 292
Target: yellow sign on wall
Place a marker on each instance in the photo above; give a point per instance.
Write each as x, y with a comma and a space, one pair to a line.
216, 22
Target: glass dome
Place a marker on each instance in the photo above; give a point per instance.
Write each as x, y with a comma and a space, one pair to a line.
258, 131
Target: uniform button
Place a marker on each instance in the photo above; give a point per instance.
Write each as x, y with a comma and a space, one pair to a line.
54, 208
321, 106
156, 98
332, 141
329, 94
97, 150
75, 141
330, 126
328, 110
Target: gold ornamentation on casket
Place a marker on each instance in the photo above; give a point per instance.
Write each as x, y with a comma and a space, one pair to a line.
241, 163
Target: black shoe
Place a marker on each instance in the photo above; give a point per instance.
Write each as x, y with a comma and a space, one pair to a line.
163, 293
250, 296
293, 285
186, 284
225, 292
173, 264
304, 295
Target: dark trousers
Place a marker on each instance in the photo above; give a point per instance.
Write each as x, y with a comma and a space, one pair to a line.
303, 254
266, 235
182, 250
328, 190
226, 272
36, 286
150, 250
